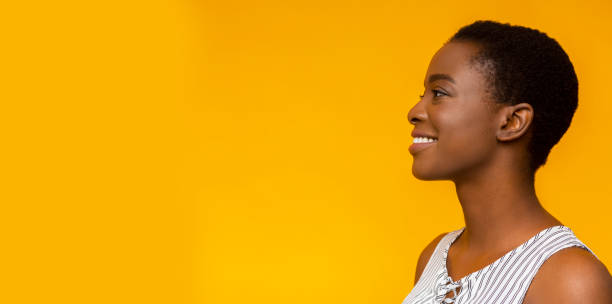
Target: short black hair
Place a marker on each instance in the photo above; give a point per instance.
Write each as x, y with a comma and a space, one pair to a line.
526, 65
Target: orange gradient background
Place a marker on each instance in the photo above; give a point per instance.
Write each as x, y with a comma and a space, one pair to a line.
251, 151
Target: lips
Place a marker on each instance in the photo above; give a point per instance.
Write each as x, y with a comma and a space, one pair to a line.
418, 133
418, 147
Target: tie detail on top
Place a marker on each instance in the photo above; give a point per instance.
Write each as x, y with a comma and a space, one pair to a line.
444, 287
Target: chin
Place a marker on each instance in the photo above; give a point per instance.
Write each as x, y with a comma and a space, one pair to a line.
425, 174
421, 175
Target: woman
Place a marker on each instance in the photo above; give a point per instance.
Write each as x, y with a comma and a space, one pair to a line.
497, 99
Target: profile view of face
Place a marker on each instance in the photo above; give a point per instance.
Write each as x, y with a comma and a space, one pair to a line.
457, 110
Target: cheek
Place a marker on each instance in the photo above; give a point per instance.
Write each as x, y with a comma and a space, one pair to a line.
466, 138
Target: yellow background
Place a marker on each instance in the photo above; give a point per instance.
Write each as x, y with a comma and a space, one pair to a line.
251, 151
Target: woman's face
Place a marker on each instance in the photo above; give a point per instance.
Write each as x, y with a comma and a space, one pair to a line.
457, 111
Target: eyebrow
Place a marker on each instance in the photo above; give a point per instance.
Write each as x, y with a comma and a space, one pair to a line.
434, 77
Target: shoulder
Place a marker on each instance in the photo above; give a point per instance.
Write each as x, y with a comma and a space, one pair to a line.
571, 275
425, 255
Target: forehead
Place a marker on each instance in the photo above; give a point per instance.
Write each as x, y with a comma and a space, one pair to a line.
454, 60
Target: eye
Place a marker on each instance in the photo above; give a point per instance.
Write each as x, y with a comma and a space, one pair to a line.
436, 92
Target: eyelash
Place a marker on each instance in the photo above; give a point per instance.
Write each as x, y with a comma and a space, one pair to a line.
434, 91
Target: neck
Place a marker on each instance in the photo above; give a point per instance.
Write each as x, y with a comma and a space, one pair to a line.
496, 201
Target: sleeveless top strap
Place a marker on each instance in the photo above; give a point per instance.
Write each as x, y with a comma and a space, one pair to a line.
506, 280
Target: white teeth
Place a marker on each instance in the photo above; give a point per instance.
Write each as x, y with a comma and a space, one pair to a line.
417, 140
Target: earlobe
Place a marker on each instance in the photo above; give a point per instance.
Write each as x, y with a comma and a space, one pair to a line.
516, 120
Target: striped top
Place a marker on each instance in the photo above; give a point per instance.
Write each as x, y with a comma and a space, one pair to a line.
506, 280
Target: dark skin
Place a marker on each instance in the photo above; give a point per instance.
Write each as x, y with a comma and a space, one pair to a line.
481, 148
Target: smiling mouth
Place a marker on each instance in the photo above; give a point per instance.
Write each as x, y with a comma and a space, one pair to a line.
418, 140
421, 143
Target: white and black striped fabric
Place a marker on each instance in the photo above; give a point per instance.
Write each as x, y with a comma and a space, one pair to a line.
506, 280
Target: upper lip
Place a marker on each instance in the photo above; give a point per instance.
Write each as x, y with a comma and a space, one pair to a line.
416, 133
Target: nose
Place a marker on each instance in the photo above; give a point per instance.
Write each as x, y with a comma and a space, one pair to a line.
416, 113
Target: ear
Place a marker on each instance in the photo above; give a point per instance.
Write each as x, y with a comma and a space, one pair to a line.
514, 121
